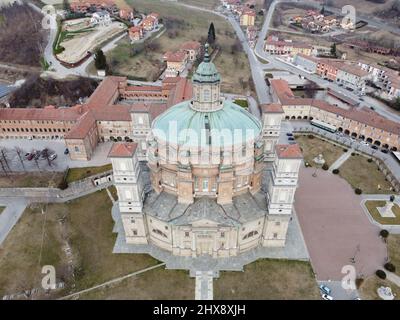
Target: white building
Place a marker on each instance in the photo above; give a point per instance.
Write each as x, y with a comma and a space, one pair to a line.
101, 18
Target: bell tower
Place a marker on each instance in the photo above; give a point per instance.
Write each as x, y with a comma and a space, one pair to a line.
206, 86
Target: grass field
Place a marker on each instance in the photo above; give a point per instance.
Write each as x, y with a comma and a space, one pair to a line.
368, 289
31, 180
373, 206
268, 279
156, 284
393, 246
75, 174
2, 209
313, 147
87, 226
192, 25
364, 175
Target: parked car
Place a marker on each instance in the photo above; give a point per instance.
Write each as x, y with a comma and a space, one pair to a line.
325, 289
327, 297
291, 138
30, 157
289, 134
44, 153
385, 150
26, 156
37, 155
364, 143
66, 151
52, 156
374, 147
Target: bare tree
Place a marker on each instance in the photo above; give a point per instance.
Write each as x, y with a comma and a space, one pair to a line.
46, 153
4, 158
20, 154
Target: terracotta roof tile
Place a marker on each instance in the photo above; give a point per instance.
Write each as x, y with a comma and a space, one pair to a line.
123, 150
272, 108
288, 151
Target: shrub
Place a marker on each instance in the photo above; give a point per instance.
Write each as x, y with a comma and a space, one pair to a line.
344, 150
384, 233
358, 191
381, 274
359, 282
335, 171
353, 154
369, 160
63, 185
310, 136
325, 166
390, 267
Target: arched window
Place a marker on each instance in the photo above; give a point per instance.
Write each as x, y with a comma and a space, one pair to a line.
159, 232
250, 234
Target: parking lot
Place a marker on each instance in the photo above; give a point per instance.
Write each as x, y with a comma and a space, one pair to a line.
61, 163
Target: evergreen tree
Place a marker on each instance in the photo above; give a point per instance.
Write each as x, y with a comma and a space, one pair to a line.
100, 60
322, 10
333, 50
66, 5
211, 34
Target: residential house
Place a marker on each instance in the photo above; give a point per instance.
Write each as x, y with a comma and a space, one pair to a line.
247, 17
151, 21
136, 33
275, 46
192, 49
176, 62
101, 18
351, 76
251, 34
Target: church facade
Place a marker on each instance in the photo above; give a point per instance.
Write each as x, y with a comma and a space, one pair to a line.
215, 182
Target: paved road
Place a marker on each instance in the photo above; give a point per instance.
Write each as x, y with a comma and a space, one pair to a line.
11, 214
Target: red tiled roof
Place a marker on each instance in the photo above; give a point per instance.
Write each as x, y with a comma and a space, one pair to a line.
191, 45
281, 88
177, 56
272, 108
50, 114
288, 151
123, 150
81, 130
105, 92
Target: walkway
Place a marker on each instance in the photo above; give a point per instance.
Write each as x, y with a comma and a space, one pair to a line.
204, 285
342, 159
394, 278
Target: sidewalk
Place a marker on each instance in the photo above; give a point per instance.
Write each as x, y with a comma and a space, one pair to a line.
342, 159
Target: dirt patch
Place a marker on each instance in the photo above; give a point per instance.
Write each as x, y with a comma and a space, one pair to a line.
31, 180
78, 37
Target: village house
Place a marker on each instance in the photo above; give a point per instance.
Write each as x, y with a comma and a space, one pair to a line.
150, 22
136, 33
192, 49
247, 17
126, 13
176, 62
251, 34
351, 76
100, 18
273, 45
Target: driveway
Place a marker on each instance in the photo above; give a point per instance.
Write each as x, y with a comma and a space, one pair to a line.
335, 228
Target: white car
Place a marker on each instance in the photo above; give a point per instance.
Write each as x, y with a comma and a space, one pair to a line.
364, 143
52, 156
327, 297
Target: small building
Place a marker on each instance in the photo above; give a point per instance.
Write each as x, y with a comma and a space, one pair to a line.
176, 62
276, 46
136, 33
352, 76
247, 17
308, 63
251, 34
126, 14
151, 21
101, 18
192, 48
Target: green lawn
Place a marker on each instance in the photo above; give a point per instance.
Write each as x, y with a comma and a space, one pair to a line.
243, 103
87, 225
364, 175
2, 209
372, 207
75, 174
268, 279
311, 148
